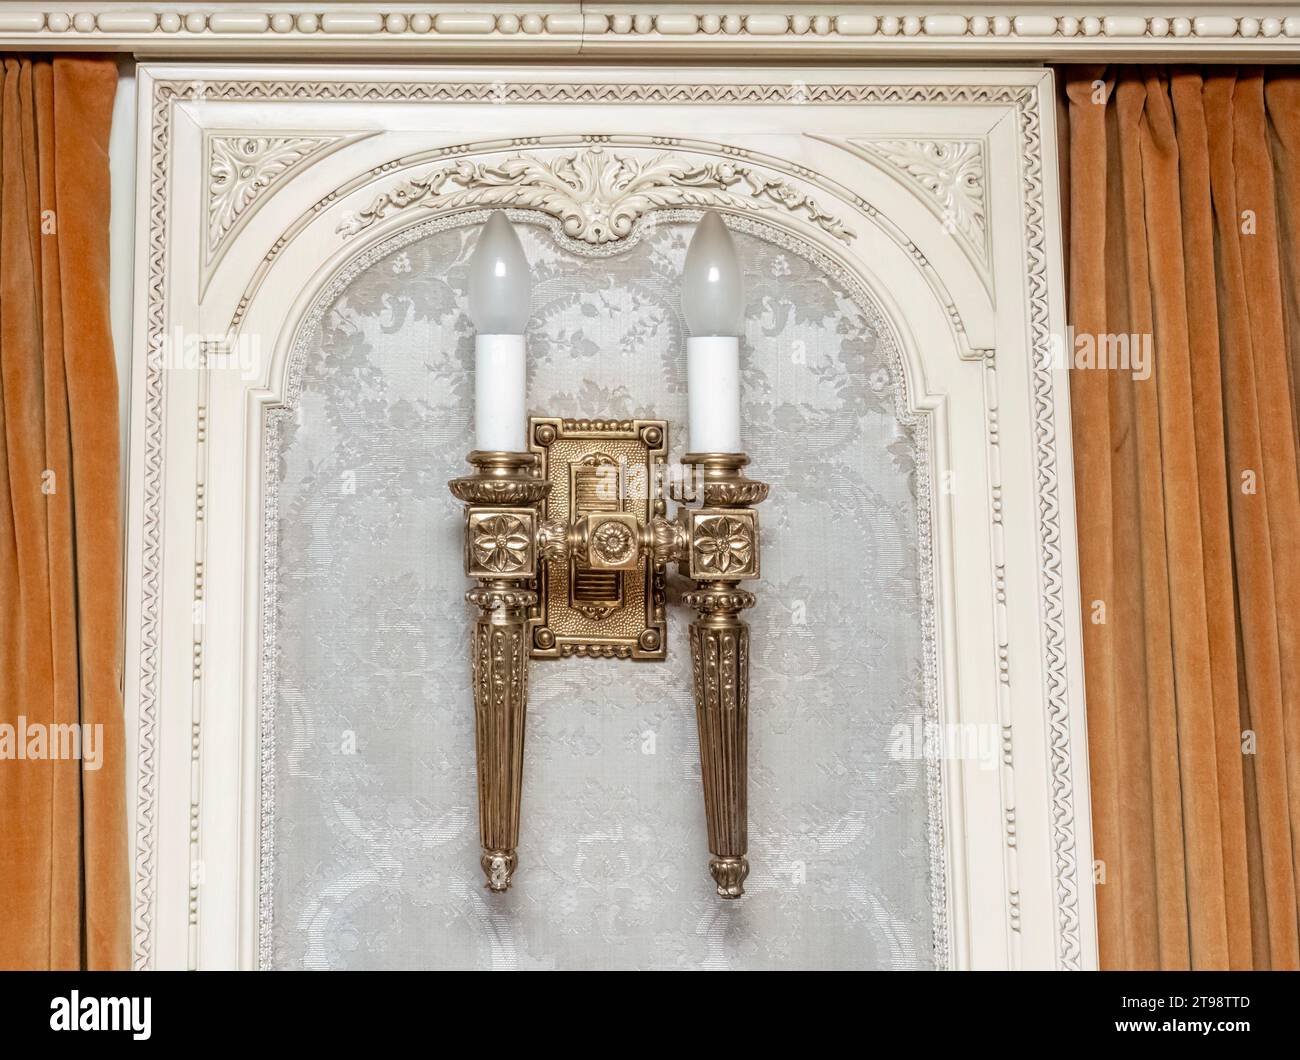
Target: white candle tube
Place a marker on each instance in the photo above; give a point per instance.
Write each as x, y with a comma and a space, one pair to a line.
713, 385
500, 421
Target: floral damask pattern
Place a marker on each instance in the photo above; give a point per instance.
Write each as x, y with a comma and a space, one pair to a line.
375, 845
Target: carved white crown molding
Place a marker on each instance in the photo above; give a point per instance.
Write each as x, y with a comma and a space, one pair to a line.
804, 29
597, 195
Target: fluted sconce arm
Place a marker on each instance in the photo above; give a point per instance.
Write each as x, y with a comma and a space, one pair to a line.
502, 544
718, 547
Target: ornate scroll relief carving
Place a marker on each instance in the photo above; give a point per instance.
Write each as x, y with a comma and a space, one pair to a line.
948, 176
242, 167
598, 196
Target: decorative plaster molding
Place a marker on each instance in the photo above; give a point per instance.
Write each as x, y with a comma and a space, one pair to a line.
948, 175
241, 167
806, 29
1052, 566
244, 168
597, 195
532, 92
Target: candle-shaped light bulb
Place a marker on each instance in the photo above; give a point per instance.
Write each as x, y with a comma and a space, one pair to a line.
713, 304
499, 286
499, 280
712, 294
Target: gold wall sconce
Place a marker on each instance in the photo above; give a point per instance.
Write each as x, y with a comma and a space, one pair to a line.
568, 538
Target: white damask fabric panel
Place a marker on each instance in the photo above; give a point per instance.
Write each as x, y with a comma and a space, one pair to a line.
370, 844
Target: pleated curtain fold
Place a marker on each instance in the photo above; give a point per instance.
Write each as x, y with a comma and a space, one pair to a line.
1183, 231
64, 893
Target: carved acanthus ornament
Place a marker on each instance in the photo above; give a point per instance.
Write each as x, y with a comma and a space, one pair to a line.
241, 168
949, 176
597, 195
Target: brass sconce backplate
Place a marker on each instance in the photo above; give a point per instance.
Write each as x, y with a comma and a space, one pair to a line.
607, 602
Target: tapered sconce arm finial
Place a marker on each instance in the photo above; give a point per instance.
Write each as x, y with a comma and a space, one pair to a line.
501, 553
721, 549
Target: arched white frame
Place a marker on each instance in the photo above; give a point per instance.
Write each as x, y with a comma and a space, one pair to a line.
878, 155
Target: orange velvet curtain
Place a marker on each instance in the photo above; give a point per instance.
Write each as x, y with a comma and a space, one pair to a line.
64, 893
1183, 224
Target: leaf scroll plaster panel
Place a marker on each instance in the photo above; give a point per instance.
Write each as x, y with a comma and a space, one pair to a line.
242, 167
599, 194
604, 173
949, 175
243, 170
